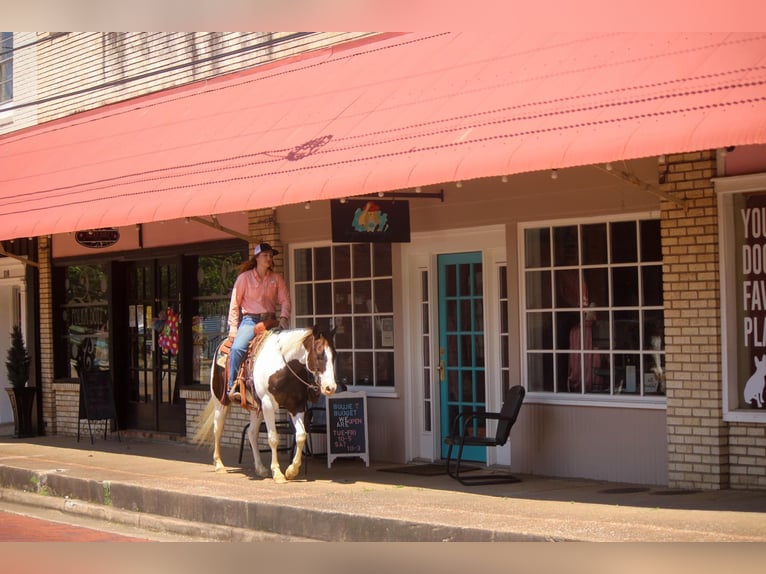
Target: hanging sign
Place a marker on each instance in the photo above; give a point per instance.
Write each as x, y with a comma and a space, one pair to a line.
370, 221
98, 238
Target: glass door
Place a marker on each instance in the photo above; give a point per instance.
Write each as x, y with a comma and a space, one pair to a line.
461, 343
153, 308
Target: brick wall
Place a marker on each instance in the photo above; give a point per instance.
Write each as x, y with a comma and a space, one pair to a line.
697, 435
46, 337
747, 452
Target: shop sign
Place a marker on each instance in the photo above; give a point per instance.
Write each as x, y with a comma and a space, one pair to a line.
98, 238
370, 221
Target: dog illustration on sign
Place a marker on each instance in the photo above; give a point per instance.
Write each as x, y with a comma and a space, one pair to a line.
754, 386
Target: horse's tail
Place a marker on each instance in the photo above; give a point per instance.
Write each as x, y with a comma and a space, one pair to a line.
204, 433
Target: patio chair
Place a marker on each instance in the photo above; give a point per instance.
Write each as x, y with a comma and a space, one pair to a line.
461, 436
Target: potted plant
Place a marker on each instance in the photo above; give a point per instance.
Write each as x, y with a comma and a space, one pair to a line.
21, 396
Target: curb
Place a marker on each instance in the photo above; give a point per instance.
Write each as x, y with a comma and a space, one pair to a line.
223, 519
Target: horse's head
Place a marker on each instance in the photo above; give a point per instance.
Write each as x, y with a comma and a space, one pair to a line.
321, 359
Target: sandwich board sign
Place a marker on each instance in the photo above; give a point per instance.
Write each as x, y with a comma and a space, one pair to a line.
347, 426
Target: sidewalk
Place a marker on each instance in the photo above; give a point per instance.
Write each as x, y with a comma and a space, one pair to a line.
163, 480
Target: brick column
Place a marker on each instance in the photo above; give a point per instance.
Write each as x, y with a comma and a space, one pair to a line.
262, 227
697, 434
46, 334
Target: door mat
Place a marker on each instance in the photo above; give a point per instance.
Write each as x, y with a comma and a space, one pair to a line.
430, 469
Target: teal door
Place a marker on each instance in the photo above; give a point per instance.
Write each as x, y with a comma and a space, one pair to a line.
461, 343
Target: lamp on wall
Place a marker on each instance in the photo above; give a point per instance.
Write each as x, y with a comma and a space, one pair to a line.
554, 174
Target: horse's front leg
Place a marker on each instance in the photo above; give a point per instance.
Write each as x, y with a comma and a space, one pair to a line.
300, 440
219, 417
269, 415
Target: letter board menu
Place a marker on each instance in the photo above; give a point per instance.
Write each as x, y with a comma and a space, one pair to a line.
347, 426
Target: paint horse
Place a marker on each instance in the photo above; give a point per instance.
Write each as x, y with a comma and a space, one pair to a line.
291, 367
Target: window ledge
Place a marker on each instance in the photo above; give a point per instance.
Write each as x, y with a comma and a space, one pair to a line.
745, 416
372, 392
608, 401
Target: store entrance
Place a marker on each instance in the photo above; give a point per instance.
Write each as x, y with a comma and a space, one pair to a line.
152, 306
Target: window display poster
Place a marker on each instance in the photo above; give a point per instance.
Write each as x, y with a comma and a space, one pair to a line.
750, 233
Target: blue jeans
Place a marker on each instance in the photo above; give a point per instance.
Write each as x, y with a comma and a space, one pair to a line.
245, 334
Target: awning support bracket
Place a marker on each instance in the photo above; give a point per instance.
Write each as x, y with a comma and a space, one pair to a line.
24, 260
215, 224
645, 186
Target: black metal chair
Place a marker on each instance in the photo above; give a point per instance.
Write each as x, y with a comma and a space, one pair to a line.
460, 436
314, 419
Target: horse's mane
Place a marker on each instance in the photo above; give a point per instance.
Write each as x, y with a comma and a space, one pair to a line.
289, 338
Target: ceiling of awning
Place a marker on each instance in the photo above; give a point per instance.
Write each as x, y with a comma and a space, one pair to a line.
402, 111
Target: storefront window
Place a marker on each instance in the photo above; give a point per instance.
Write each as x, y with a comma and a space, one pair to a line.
742, 212
85, 315
593, 305
215, 278
350, 286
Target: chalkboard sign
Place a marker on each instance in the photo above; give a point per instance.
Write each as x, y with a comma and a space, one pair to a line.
96, 400
347, 426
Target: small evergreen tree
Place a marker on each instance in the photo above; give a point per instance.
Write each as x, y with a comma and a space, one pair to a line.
17, 362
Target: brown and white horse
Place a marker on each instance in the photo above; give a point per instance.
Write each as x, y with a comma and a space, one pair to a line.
292, 367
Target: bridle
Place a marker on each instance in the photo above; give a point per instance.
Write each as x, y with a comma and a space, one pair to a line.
314, 385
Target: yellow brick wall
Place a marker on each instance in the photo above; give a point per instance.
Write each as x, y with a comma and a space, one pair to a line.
698, 451
50, 417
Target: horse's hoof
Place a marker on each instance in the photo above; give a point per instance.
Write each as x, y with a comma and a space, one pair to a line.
280, 478
219, 468
263, 472
292, 472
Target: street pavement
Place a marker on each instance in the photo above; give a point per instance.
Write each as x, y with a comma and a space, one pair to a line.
170, 485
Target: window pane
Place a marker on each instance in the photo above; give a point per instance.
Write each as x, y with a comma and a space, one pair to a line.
384, 301
384, 369
594, 245
344, 366
323, 298
624, 247
361, 260
342, 262
363, 368
302, 265
537, 247
627, 334
568, 292
625, 286
362, 333
344, 333
363, 297
596, 286
540, 372
565, 246
539, 331
322, 263
651, 281
503, 282
651, 240
342, 297
381, 253
304, 304
538, 290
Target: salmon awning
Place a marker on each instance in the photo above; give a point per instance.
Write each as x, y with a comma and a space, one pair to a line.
404, 110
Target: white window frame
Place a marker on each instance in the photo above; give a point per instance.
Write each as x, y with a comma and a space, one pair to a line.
726, 188
653, 402
370, 390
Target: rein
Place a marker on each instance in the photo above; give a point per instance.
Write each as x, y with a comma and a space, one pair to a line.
313, 385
